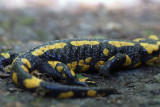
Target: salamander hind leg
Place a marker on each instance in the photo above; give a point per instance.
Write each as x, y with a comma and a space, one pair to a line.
112, 63
121, 61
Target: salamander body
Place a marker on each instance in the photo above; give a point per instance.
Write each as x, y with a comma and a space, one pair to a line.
62, 59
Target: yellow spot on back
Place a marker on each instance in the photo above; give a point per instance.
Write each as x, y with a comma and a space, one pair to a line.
120, 43
99, 63
32, 82
84, 42
25, 61
66, 94
138, 39
25, 68
53, 63
6, 55
14, 78
137, 64
88, 60
106, 52
152, 60
154, 37
91, 93
128, 61
59, 68
42, 50
72, 65
150, 47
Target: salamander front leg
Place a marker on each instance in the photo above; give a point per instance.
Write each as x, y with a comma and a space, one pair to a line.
65, 73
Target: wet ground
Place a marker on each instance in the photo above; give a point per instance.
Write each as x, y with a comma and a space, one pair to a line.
23, 29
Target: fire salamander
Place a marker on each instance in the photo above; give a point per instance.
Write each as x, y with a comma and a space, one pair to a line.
63, 58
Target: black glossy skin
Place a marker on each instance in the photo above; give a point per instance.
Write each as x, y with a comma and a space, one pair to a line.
71, 53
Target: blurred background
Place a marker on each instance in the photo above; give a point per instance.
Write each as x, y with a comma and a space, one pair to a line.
31, 22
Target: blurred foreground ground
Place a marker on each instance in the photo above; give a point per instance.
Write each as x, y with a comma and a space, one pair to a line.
24, 28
